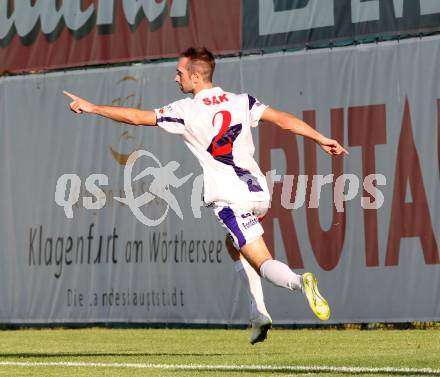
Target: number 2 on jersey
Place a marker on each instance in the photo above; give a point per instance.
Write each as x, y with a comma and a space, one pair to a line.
225, 148
221, 149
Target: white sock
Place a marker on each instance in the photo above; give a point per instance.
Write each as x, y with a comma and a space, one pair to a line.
280, 274
252, 282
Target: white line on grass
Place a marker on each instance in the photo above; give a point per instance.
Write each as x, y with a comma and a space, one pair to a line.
263, 368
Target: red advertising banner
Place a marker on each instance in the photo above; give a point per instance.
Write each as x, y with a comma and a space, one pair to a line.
49, 34
366, 129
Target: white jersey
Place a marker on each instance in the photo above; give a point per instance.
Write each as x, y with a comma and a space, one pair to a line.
216, 126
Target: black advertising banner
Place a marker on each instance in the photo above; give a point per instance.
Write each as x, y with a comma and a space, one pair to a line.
277, 24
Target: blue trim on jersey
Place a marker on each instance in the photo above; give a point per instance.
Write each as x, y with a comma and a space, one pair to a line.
171, 120
252, 101
228, 217
227, 159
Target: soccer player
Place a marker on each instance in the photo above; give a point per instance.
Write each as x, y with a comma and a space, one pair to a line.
216, 127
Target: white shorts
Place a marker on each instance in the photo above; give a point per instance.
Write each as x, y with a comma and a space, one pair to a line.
242, 221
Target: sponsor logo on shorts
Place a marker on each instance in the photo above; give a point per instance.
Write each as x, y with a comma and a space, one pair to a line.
250, 223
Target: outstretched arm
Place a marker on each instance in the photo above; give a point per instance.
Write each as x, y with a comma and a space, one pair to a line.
129, 115
297, 126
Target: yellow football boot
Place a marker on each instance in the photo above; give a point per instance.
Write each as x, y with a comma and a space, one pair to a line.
317, 303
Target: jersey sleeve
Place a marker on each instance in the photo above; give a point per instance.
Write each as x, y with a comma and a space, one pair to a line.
171, 118
256, 109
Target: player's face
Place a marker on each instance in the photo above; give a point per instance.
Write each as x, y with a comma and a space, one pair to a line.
183, 78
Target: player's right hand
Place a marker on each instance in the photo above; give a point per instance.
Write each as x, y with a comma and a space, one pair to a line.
79, 105
332, 147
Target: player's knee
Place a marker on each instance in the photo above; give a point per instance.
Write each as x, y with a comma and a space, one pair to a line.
258, 263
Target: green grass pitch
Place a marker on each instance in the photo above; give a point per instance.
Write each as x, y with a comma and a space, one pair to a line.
209, 352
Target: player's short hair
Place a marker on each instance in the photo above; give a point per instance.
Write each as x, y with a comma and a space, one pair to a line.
201, 60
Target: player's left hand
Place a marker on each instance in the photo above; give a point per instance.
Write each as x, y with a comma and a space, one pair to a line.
332, 147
